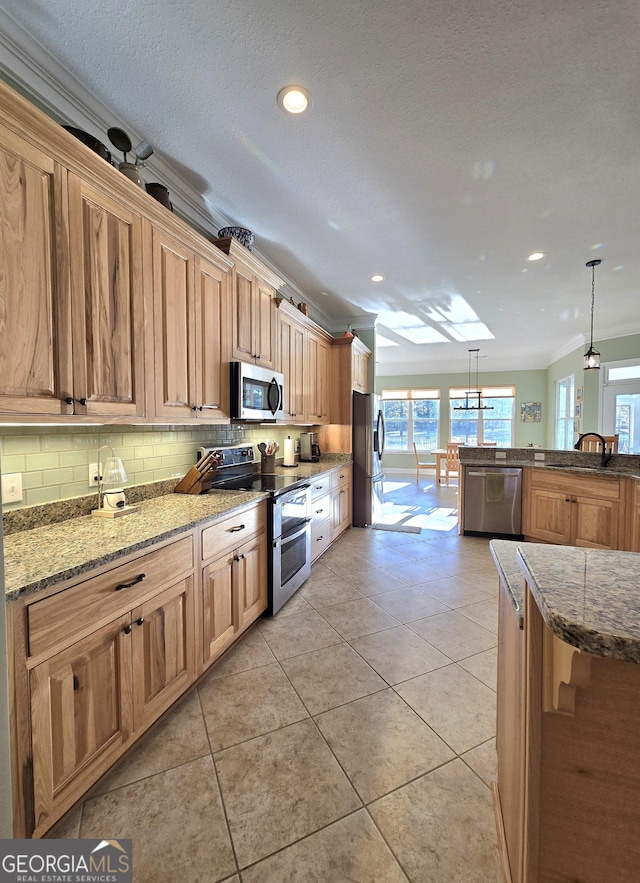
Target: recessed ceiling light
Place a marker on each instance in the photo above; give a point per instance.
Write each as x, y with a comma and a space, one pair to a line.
377, 277
536, 256
294, 99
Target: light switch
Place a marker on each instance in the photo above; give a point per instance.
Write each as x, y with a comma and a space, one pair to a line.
12, 487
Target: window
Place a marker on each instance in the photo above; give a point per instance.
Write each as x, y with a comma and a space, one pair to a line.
621, 404
411, 415
474, 427
565, 403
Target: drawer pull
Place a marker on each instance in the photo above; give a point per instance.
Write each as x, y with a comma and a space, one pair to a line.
319, 487
236, 529
138, 579
319, 511
127, 629
318, 539
238, 557
140, 621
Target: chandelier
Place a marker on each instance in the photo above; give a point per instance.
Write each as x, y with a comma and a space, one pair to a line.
473, 397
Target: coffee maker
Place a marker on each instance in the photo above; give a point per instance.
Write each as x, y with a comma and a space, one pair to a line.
309, 447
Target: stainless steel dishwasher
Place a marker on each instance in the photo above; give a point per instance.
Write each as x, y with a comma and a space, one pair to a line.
493, 500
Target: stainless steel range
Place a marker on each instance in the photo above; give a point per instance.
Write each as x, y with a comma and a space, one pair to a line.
289, 517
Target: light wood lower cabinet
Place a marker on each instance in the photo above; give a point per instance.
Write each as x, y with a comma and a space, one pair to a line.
568, 759
234, 584
573, 509
341, 510
107, 657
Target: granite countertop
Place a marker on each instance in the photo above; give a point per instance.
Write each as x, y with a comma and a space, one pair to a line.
36, 559
620, 465
589, 598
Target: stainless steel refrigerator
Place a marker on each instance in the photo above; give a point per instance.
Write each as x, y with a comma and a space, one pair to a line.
368, 447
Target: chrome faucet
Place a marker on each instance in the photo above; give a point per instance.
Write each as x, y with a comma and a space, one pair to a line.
605, 456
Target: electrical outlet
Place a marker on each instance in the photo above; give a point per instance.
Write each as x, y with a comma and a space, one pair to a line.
12, 487
93, 474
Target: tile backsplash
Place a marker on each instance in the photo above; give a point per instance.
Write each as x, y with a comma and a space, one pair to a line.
54, 461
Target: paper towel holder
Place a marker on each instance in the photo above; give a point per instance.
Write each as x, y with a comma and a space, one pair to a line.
289, 453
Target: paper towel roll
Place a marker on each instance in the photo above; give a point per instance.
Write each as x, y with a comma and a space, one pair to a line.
289, 452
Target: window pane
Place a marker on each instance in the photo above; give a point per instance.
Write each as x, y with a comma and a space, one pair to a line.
396, 423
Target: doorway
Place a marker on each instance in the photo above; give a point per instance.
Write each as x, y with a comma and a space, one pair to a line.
621, 404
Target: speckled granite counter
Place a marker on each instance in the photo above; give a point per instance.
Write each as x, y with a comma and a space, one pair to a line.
38, 558
589, 598
620, 465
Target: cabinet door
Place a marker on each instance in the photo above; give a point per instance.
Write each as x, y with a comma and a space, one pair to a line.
174, 326
107, 303
595, 524
80, 715
242, 319
340, 510
163, 650
212, 357
510, 731
35, 345
250, 579
318, 355
264, 324
291, 353
219, 613
549, 516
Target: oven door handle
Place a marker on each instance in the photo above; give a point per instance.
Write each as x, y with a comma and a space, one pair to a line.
284, 541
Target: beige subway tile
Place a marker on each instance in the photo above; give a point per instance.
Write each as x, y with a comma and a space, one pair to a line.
162, 474
152, 463
171, 460
57, 476
20, 444
42, 461
31, 480
86, 441
42, 495
14, 463
112, 438
142, 451
141, 478
73, 458
81, 473
76, 489
55, 442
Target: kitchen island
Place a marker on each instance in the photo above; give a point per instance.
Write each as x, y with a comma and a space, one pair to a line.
567, 713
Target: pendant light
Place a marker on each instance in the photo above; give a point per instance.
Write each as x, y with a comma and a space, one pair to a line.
592, 356
474, 393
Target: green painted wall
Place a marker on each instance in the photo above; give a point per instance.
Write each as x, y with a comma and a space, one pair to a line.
616, 349
531, 386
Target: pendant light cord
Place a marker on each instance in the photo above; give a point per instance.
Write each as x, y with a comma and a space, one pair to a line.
593, 299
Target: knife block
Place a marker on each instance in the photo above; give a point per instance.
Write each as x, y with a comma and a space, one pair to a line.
191, 483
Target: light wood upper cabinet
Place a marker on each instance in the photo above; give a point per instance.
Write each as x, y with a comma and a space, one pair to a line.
107, 303
360, 355
291, 363
317, 386
574, 510
191, 331
35, 343
253, 321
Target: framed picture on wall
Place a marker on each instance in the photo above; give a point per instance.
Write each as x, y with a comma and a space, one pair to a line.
578, 410
578, 393
531, 412
576, 426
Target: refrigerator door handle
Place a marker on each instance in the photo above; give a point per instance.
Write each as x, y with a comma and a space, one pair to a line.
380, 435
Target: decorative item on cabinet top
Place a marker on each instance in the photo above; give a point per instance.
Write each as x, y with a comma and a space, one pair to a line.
245, 237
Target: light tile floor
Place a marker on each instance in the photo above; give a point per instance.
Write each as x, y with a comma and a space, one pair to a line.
351, 737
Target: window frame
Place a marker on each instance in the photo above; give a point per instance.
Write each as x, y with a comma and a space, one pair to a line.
412, 396
570, 394
486, 394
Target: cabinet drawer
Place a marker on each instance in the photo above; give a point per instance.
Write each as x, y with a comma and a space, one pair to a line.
229, 533
340, 477
320, 485
320, 537
58, 618
321, 508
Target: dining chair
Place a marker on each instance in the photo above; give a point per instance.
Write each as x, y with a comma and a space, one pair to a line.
421, 464
594, 445
452, 463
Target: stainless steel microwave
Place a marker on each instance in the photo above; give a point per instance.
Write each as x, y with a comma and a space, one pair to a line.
256, 393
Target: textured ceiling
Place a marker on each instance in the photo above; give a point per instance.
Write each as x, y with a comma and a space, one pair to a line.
446, 141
